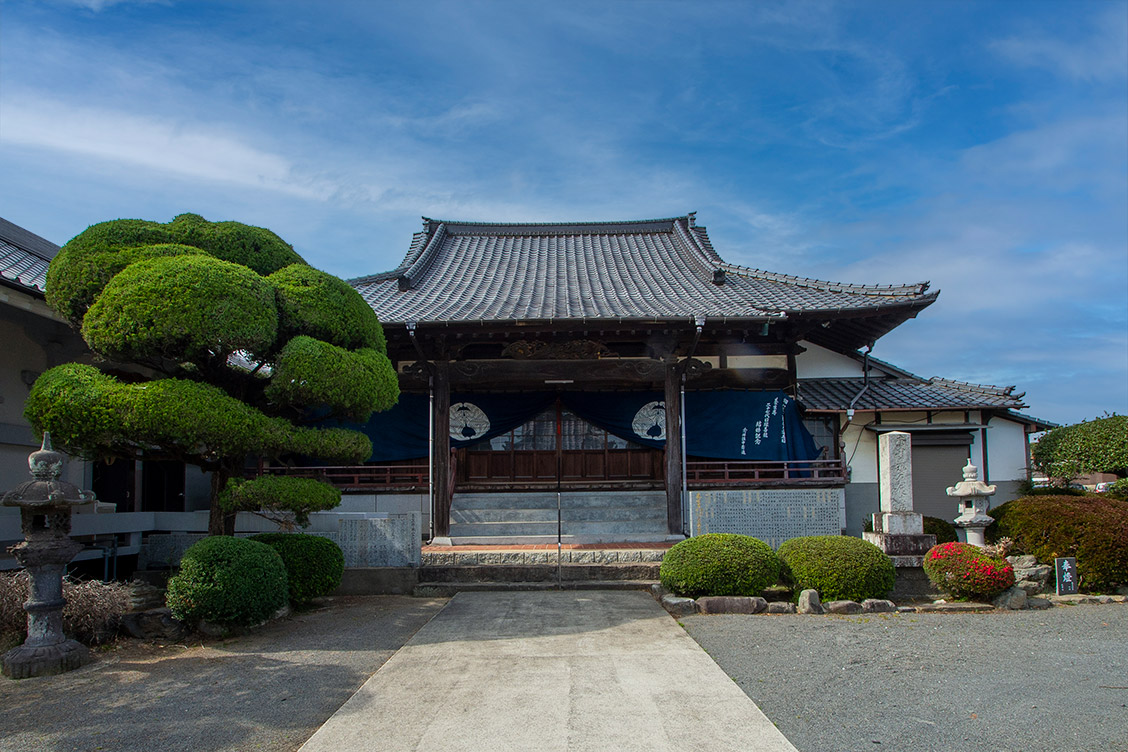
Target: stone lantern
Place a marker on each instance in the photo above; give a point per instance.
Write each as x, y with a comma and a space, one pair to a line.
45, 510
974, 496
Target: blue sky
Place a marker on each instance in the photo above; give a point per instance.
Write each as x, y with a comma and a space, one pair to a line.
981, 146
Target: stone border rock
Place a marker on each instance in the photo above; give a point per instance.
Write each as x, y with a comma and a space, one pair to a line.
809, 603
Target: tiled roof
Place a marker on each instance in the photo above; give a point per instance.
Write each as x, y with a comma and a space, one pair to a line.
24, 257
661, 269
905, 394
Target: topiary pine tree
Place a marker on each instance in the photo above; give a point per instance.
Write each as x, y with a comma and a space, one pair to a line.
241, 345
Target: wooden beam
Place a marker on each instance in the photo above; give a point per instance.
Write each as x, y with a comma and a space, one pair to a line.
673, 448
440, 470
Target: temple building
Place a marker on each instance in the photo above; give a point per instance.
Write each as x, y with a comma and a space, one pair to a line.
584, 382
620, 381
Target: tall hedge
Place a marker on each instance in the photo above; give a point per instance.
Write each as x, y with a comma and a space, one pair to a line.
1094, 529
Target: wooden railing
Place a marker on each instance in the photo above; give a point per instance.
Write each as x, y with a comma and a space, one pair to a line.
360, 477
701, 474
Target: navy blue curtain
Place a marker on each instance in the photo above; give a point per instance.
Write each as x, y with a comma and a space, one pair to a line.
399, 433
635, 416
477, 417
730, 424
746, 425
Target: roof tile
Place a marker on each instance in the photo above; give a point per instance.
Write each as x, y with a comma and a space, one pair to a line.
644, 270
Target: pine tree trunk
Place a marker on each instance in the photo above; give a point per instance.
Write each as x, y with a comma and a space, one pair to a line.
219, 522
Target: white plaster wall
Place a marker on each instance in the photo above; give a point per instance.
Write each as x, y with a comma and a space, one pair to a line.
861, 445
821, 363
738, 360
1006, 447
861, 450
20, 353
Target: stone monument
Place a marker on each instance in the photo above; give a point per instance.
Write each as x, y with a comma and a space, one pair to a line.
45, 513
898, 530
974, 496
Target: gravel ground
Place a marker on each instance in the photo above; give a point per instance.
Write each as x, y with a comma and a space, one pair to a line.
269, 690
1017, 681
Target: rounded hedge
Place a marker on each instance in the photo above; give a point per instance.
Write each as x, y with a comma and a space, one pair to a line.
183, 308
314, 565
308, 371
838, 566
1093, 528
228, 581
967, 571
944, 531
320, 305
719, 564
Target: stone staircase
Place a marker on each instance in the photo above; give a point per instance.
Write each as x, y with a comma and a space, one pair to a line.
584, 517
448, 570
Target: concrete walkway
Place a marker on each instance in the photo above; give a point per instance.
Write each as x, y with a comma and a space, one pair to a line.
593, 670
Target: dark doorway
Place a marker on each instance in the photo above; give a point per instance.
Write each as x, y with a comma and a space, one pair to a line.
162, 486
114, 483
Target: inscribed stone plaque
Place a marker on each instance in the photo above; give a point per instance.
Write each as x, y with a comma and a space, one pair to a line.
1066, 569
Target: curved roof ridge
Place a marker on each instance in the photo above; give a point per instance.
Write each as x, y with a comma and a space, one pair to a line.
968, 386
708, 262
419, 266
551, 228
418, 243
917, 288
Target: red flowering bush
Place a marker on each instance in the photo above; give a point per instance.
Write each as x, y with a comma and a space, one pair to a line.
966, 571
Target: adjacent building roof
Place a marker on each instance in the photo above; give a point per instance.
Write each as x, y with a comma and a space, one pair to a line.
838, 394
650, 270
24, 257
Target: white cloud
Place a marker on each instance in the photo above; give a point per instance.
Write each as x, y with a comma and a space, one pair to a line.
200, 151
98, 6
1101, 56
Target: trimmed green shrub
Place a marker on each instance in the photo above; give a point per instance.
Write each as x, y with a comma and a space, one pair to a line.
314, 565
352, 383
1093, 528
967, 571
325, 307
275, 494
944, 531
87, 410
838, 566
719, 564
228, 581
182, 308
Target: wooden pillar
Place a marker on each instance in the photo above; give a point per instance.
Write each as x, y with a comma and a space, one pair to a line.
440, 470
673, 449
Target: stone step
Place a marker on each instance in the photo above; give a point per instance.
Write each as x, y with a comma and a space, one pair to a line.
541, 572
522, 540
569, 500
624, 514
620, 529
447, 589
